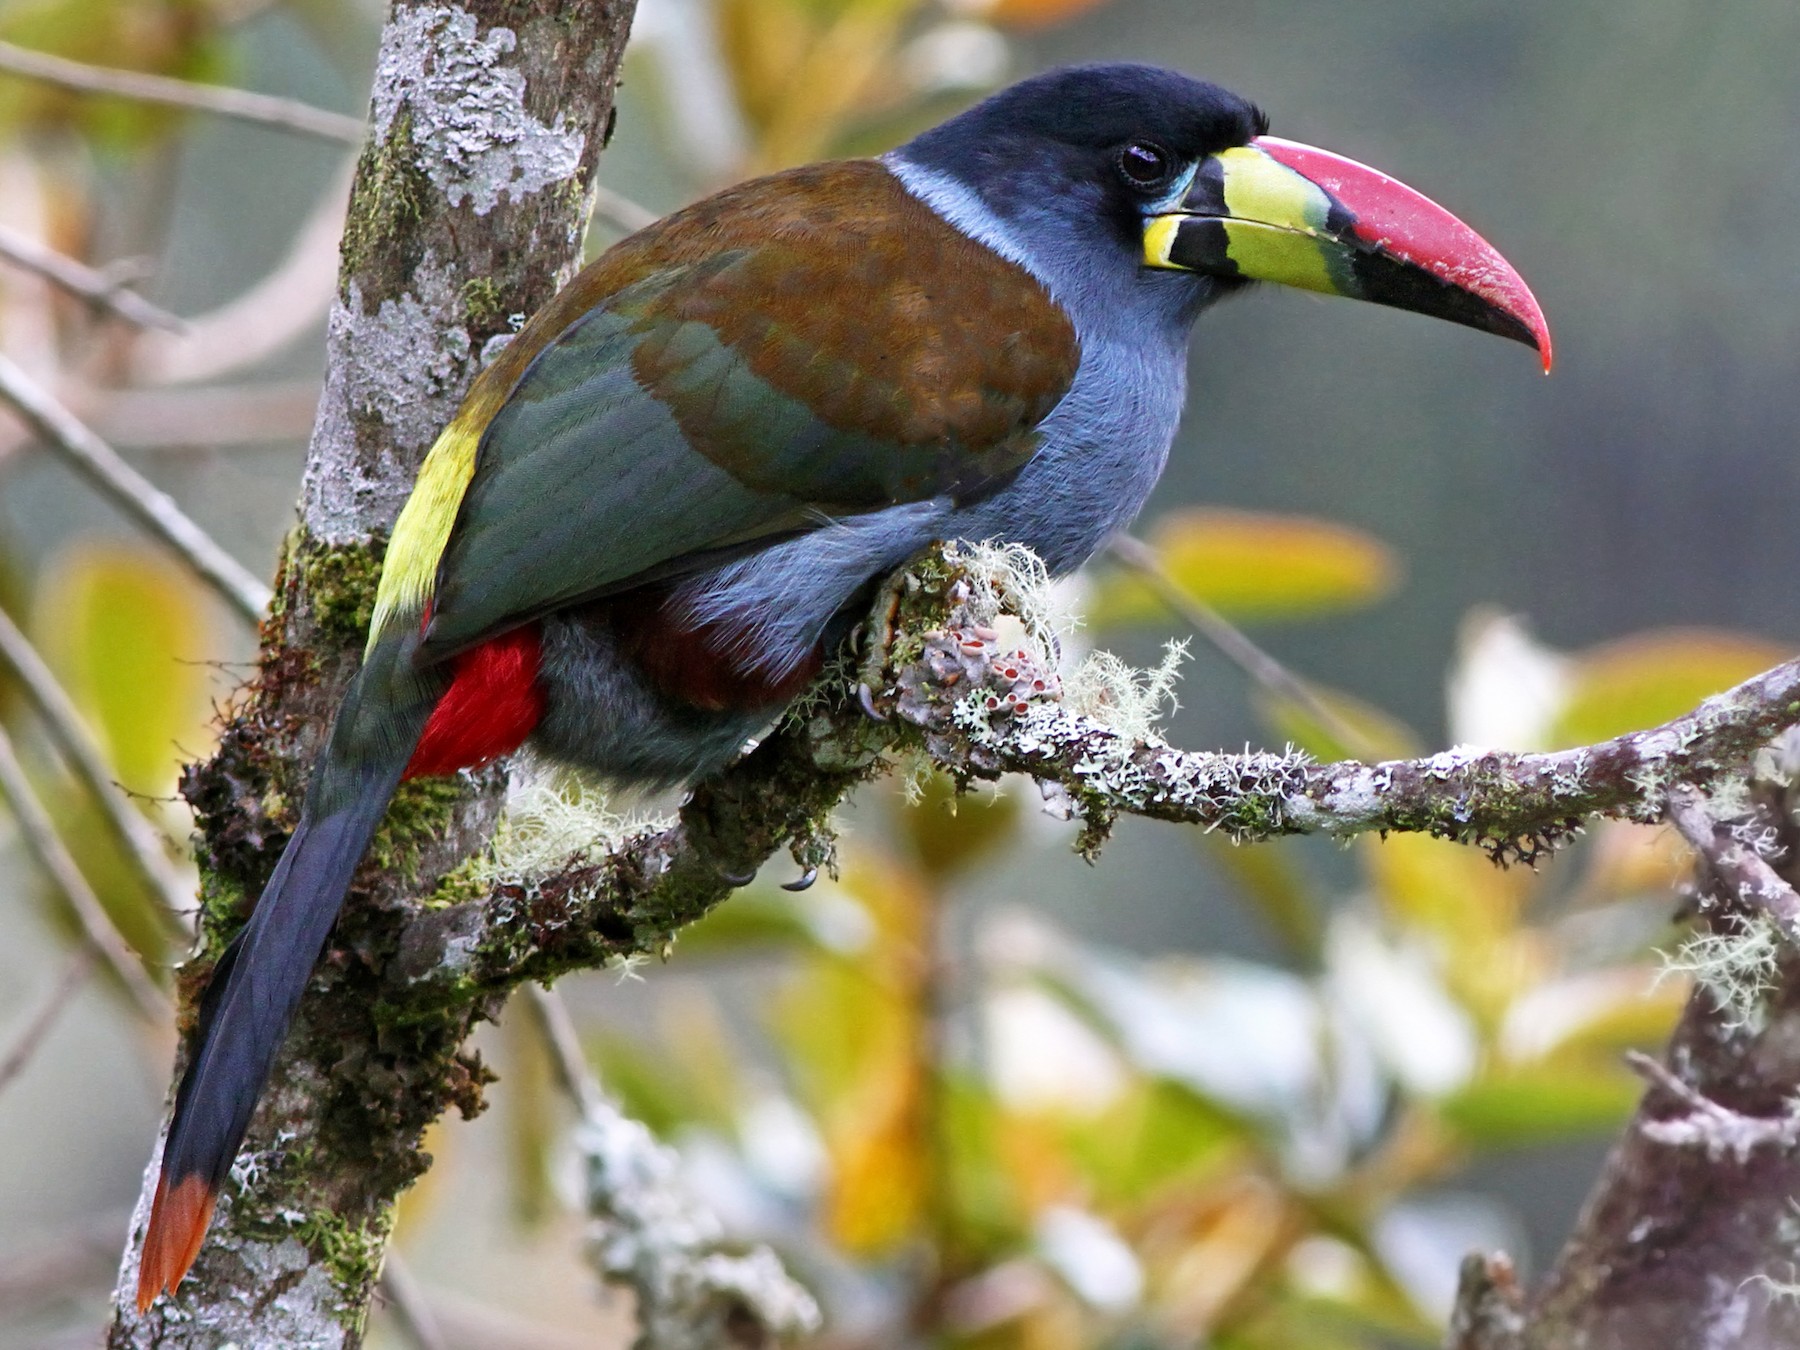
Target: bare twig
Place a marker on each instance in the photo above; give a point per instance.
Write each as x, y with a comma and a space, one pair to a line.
96, 287
1490, 1311
414, 1313
37, 1030
262, 109
285, 303
153, 508
137, 838
693, 1288
1709, 1126
1736, 865
205, 418
620, 211
41, 839
560, 1038
1237, 647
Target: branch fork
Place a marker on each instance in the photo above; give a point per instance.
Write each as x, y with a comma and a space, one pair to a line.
1735, 858
1708, 1125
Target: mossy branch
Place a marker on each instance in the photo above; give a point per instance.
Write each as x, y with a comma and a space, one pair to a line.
946, 688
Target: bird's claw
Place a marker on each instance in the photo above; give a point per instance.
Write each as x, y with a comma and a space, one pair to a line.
802, 882
865, 699
736, 879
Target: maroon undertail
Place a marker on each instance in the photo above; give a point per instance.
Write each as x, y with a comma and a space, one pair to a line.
697, 663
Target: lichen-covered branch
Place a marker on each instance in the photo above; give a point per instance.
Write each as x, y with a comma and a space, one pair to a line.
693, 1291
946, 687
694, 1288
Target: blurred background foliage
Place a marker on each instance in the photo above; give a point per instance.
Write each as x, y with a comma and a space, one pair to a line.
977, 1093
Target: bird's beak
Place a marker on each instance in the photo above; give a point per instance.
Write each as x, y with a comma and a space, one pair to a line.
1275, 210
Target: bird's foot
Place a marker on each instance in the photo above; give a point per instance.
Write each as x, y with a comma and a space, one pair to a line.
802, 882
876, 636
865, 699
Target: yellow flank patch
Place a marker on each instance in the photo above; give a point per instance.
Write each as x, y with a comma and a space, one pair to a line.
423, 529
1275, 229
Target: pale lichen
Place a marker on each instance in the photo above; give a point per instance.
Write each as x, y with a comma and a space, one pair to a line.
652, 1236
1739, 969
1118, 695
556, 819
406, 364
472, 134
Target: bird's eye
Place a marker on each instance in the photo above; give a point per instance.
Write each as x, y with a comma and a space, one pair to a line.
1146, 165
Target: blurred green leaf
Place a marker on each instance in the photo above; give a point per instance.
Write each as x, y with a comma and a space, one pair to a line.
760, 917
1644, 680
134, 909
1252, 566
687, 1072
1162, 1134
1540, 1104
1270, 879
178, 38
532, 1117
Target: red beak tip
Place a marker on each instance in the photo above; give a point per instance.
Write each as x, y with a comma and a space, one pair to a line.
1540, 338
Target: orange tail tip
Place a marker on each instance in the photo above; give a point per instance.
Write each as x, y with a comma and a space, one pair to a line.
178, 1220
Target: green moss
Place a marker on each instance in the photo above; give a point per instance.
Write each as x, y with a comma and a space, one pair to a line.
390, 190
224, 906
461, 885
483, 303
418, 814
340, 584
351, 1253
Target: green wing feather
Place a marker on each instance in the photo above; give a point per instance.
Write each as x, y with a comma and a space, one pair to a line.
738, 373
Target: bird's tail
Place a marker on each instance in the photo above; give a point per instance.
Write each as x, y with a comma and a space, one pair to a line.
257, 983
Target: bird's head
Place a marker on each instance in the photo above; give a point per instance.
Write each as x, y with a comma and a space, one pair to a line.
1129, 188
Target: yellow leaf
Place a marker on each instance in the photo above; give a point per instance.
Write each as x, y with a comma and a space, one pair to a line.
1645, 680
1254, 566
161, 37
948, 832
124, 632
1591, 1013
1471, 911
857, 1033
1542, 1103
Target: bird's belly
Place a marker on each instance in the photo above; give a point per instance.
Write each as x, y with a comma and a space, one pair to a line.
630, 695
1103, 450
666, 683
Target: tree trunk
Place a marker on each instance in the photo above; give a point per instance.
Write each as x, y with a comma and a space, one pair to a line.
468, 211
